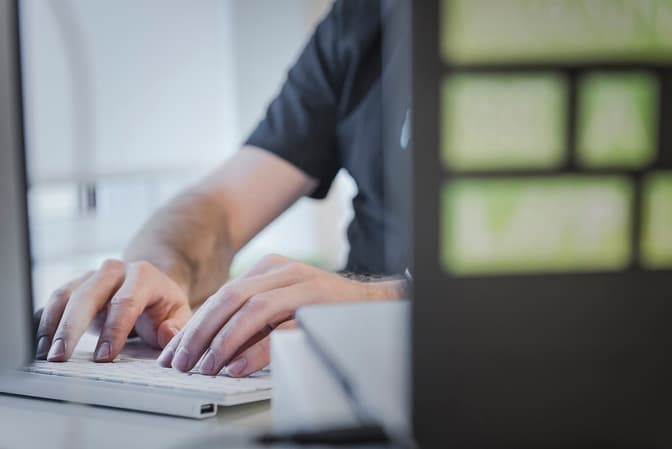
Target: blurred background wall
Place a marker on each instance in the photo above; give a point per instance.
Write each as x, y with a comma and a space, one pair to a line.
127, 102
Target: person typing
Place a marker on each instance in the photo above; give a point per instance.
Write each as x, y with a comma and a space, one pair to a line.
172, 288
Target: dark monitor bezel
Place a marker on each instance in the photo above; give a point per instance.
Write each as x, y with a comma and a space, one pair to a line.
546, 360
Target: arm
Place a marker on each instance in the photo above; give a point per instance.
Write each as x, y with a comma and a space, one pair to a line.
194, 238
180, 256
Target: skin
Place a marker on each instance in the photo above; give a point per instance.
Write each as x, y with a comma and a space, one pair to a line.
180, 260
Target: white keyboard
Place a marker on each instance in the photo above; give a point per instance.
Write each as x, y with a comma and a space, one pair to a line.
147, 372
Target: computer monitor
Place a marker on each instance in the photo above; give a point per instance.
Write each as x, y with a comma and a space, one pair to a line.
15, 297
542, 163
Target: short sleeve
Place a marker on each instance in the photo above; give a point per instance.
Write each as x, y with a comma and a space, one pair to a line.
300, 124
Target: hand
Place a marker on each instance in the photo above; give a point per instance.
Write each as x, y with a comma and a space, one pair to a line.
120, 297
232, 328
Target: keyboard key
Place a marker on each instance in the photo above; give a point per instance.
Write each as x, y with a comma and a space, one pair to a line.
146, 372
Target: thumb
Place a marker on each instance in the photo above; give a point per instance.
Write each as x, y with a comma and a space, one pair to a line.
168, 329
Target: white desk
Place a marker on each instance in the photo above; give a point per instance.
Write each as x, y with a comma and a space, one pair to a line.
35, 423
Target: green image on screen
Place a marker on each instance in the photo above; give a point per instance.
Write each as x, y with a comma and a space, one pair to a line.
656, 240
499, 31
536, 225
503, 122
617, 120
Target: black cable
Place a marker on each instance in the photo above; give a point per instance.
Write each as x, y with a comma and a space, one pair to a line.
332, 437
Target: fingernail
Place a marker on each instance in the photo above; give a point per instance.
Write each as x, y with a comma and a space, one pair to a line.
166, 357
181, 360
103, 351
208, 364
237, 367
57, 350
42, 347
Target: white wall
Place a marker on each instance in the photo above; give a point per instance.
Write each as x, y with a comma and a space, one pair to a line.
141, 97
151, 82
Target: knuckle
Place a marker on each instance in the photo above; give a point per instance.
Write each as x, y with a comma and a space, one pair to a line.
258, 303
112, 265
220, 344
272, 259
43, 331
230, 292
47, 325
65, 329
297, 269
60, 295
124, 302
115, 330
143, 268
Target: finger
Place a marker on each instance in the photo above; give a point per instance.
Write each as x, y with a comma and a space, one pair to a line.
266, 264
166, 357
37, 316
255, 357
125, 306
170, 334
218, 309
82, 306
261, 314
167, 312
51, 314
167, 330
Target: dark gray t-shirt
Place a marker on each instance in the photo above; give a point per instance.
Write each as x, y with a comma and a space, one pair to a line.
329, 115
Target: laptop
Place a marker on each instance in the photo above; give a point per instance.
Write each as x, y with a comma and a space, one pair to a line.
134, 381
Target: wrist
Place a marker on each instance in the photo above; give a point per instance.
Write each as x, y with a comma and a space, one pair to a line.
377, 287
395, 288
168, 263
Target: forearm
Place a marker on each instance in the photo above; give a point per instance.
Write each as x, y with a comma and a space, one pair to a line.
187, 240
194, 237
